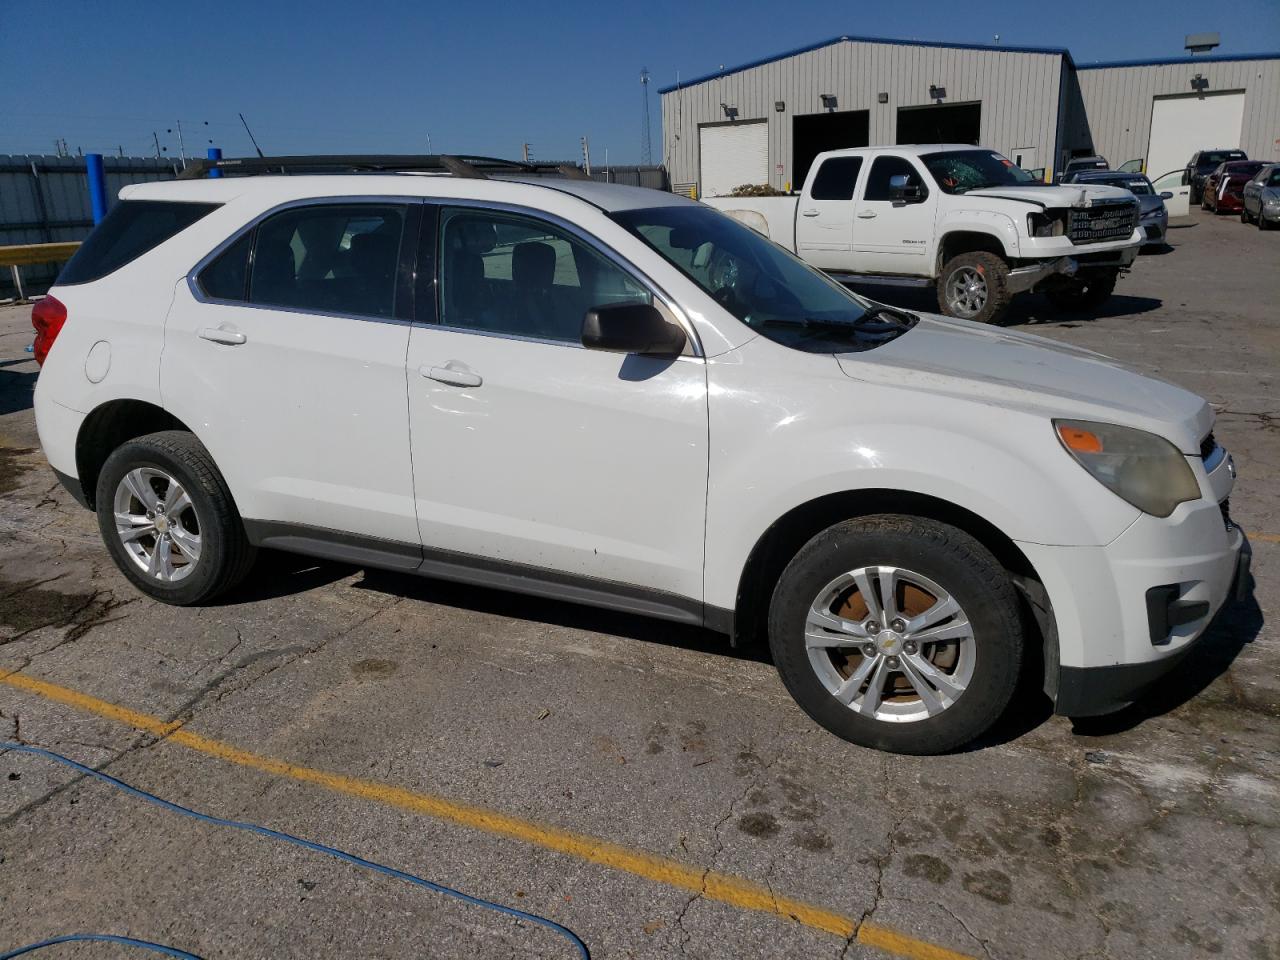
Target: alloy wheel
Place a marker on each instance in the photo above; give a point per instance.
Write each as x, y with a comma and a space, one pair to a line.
890, 644
966, 292
157, 525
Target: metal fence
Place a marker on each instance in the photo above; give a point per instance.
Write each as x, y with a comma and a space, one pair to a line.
46, 200
655, 178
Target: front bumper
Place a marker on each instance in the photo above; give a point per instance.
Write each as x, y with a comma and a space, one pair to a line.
1090, 691
1154, 230
1109, 643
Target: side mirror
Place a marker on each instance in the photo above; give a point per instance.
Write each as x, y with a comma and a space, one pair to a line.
1166, 194
898, 190
632, 328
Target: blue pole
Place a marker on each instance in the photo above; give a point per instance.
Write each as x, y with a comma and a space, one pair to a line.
215, 153
97, 185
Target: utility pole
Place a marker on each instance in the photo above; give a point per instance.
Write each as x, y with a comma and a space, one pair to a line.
646, 141
182, 150
156, 137
525, 149
586, 156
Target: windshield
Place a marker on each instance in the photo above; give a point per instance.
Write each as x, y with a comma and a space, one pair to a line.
762, 284
1215, 157
1140, 187
959, 171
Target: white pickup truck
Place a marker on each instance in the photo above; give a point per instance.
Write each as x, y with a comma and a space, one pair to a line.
960, 218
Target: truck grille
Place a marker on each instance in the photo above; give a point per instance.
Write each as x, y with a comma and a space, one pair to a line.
1107, 222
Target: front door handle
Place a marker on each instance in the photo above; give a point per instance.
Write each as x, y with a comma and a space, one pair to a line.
451, 375
221, 335
866, 214
808, 213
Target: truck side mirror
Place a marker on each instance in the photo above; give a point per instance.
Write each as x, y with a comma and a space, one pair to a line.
900, 192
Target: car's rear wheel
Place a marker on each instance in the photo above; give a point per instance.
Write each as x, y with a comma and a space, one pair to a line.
1244, 214
897, 633
974, 286
169, 521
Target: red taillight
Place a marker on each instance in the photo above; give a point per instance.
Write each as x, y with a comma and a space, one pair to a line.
47, 316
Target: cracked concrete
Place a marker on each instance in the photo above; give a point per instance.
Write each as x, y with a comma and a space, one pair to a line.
1152, 833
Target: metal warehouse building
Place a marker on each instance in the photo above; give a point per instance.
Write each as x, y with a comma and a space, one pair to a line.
764, 122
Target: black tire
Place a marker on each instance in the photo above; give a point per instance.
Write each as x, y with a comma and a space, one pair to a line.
994, 273
1088, 290
1262, 222
225, 554
1244, 214
953, 560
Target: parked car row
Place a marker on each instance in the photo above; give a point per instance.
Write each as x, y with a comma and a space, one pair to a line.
1257, 198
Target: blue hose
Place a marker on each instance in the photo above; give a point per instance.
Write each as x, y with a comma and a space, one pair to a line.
102, 938
551, 925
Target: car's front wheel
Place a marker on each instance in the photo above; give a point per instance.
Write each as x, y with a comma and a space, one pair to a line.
897, 633
974, 286
169, 521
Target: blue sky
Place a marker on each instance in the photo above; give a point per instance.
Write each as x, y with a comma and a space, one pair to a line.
373, 76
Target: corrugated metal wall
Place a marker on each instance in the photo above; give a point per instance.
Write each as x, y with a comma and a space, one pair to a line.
856, 72
46, 200
1117, 104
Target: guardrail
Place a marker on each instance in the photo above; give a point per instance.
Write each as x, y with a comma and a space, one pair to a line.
23, 254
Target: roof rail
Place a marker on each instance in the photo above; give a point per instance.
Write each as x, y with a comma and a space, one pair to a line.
469, 167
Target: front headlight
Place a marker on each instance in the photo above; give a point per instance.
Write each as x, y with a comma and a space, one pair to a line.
1138, 467
1272, 203
1043, 225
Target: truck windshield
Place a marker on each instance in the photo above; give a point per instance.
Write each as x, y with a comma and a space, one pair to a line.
761, 284
958, 171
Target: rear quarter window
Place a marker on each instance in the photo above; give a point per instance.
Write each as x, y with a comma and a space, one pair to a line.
131, 229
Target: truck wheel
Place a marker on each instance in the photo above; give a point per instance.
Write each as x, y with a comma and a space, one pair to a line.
974, 286
897, 633
169, 521
1087, 291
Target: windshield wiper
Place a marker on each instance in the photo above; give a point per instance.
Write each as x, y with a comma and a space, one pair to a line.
879, 322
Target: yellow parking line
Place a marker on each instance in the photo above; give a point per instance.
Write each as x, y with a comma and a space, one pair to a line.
1264, 537
726, 888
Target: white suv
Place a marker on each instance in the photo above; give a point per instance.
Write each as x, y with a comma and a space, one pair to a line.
620, 397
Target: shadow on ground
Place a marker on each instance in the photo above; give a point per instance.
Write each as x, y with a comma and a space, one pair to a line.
1236, 626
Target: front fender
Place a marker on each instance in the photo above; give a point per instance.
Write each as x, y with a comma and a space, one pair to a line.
999, 226
774, 451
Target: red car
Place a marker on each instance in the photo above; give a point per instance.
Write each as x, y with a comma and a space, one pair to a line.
1223, 189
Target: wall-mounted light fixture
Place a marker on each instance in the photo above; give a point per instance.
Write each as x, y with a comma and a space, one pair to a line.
779, 105
731, 113
1199, 84
828, 101
882, 97
936, 92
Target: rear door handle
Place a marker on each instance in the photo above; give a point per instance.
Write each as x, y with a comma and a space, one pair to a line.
220, 335
866, 214
452, 375
808, 213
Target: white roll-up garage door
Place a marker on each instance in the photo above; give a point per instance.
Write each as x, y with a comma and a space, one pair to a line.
1182, 125
733, 154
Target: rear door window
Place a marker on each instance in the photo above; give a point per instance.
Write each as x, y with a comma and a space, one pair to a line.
836, 178
328, 258
132, 228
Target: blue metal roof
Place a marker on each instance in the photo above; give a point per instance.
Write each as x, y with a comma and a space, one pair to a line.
1059, 51
1222, 58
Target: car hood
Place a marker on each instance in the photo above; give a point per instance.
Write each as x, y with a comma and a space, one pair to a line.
1058, 195
1006, 369
1149, 202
